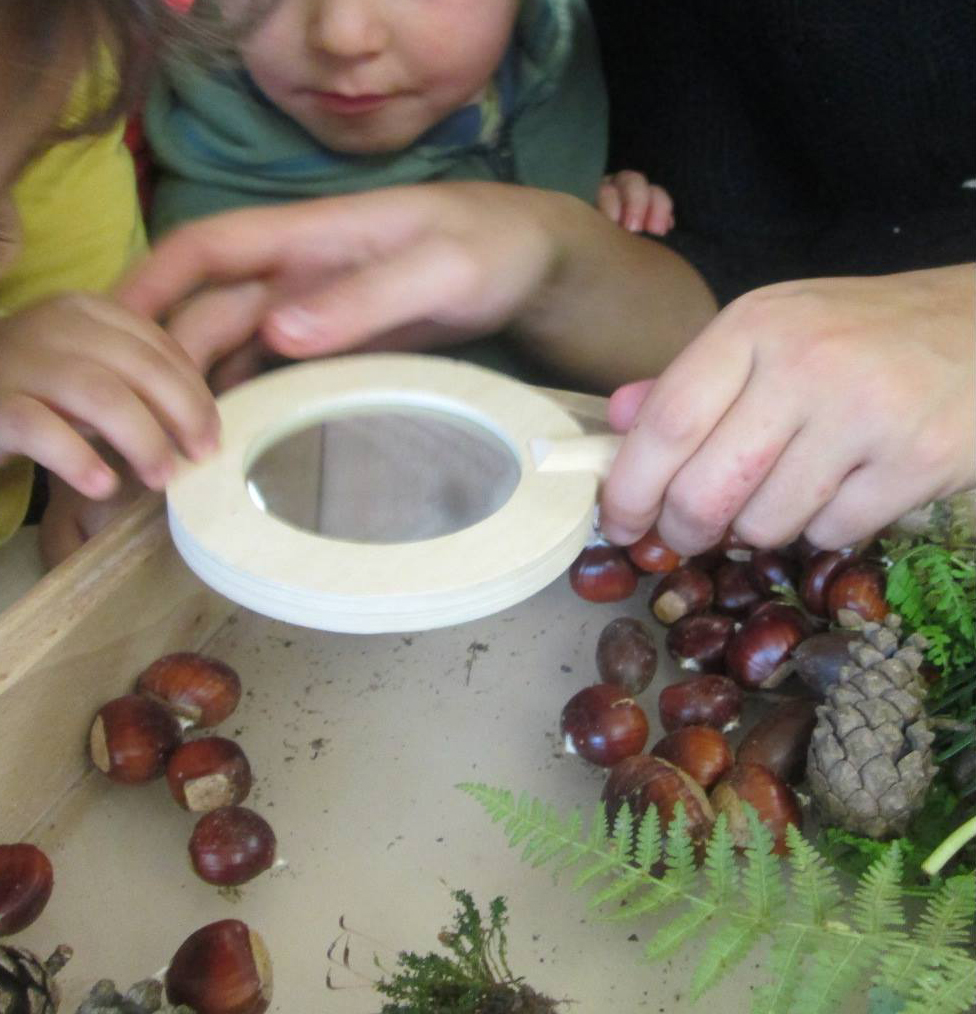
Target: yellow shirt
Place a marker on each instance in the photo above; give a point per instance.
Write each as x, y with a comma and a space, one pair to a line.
80, 228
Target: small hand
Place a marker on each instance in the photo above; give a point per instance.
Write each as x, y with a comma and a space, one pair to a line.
79, 365
628, 199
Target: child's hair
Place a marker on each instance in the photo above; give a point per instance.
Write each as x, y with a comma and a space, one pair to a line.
135, 32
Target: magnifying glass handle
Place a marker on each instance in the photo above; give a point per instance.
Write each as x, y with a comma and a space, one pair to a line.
594, 453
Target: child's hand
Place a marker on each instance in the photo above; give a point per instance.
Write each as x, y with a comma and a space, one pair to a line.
79, 364
628, 199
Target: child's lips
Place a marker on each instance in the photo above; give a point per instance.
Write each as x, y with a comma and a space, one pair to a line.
348, 105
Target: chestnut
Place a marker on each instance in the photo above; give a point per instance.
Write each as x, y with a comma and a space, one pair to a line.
207, 773
680, 592
772, 569
132, 738
769, 796
701, 700
820, 570
603, 724
626, 655
819, 660
603, 573
231, 845
644, 781
735, 591
203, 691
780, 740
757, 654
701, 751
860, 588
222, 968
650, 554
699, 641
26, 882
733, 547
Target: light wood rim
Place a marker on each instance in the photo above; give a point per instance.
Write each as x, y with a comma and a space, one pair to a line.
274, 568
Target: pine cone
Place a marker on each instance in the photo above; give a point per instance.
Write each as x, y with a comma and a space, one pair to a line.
144, 997
870, 761
27, 984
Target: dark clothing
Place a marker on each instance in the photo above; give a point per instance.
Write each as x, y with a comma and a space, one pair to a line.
800, 138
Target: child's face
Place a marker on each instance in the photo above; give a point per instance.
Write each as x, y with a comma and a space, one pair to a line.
366, 76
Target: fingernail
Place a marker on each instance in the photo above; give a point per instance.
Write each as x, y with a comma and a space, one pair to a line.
618, 534
296, 324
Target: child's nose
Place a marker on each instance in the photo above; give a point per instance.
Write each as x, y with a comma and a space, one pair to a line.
348, 28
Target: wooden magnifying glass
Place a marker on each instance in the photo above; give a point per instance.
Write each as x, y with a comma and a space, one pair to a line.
387, 492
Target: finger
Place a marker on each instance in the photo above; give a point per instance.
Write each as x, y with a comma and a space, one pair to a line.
635, 192
660, 210
242, 364
684, 405
608, 201
214, 323
804, 479
254, 243
624, 403
418, 283
59, 537
717, 480
99, 399
869, 498
30, 428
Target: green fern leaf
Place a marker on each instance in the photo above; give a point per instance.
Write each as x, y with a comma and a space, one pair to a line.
720, 862
677, 932
762, 877
877, 898
619, 889
680, 853
647, 850
948, 915
949, 991
786, 961
836, 970
814, 884
727, 947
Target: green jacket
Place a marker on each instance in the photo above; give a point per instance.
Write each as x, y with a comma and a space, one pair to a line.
221, 145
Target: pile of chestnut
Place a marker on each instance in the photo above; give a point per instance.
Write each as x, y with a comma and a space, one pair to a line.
742, 620
222, 968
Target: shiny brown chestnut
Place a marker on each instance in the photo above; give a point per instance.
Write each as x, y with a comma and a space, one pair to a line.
26, 882
861, 588
702, 700
820, 571
626, 655
735, 591
201, 690
644, 781
681, 592
132, 738
820, 660
603, 724
222, 968
207, 773
780, 740
772, 799
699, 641
231, 845
757, 655
772, 569
651, 554
603, 574
701, 751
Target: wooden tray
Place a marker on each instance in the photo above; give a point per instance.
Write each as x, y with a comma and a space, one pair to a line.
356, 742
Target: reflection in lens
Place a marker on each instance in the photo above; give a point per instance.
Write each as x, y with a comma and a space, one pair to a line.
387, 475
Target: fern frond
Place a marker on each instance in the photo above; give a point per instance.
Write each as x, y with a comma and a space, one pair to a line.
814, 883
837, 968
786, 959
677, 932
949, 913
950, 991
647, 849
762, 877
680, 853
877, 898
720, 863
726, 949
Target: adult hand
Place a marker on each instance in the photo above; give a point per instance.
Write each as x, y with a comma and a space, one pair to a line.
829, 406
79, 364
